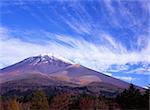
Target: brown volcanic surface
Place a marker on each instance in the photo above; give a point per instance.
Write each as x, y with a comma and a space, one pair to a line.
55, 70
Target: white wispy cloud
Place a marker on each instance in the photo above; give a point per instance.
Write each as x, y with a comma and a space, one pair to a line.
125, 78
140, 70
96, 56
118, 68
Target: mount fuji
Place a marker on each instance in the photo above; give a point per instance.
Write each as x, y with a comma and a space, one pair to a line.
39, 71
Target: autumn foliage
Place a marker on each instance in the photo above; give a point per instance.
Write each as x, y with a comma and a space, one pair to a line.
129, 99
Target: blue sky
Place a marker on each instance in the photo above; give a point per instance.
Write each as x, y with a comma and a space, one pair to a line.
110, 36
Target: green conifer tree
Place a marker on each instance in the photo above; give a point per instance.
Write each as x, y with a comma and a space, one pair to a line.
130, 98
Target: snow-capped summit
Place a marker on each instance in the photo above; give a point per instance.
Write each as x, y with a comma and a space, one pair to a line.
50, 58
41, 63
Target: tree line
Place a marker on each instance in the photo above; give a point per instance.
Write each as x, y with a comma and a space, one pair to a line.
130, 98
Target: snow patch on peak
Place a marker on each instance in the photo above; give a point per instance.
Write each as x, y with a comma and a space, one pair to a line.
55, 58
47, 59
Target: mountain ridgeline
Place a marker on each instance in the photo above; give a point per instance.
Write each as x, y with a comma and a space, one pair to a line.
44, 71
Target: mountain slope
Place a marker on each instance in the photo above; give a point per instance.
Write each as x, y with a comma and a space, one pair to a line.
44, 64
38, 64
82, 75
44, 71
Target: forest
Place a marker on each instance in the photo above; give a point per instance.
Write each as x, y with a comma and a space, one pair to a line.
129, 99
